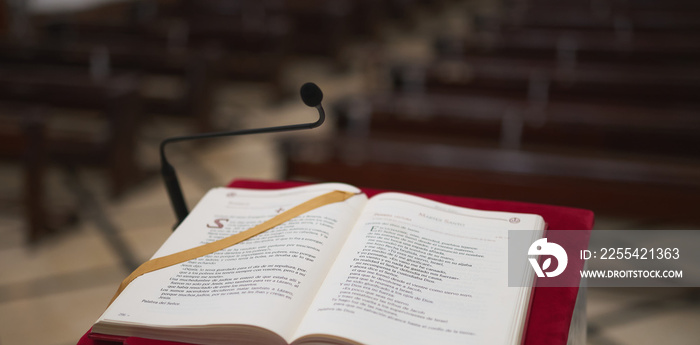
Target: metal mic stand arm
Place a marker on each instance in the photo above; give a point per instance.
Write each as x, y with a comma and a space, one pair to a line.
172, 183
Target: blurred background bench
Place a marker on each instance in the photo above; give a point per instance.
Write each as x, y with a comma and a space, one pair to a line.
580, 98
587, 104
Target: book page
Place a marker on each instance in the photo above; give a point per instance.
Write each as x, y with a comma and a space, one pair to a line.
414, 271
267, 281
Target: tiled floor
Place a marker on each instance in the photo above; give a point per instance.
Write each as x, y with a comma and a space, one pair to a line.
51, 293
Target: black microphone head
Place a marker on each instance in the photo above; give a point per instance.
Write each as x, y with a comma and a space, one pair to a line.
311, 94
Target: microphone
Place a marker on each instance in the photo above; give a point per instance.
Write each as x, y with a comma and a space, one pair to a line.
311, 95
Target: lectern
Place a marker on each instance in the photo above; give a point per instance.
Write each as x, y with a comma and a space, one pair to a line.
552, 308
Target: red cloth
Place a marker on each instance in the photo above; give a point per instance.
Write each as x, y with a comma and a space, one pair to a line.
551, 308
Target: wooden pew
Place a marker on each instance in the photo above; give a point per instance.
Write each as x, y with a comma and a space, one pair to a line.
651, 47
547, 79
641, 188
642, 16
616, 40
23, 139
111, 108
293, 26
312, 27
575, 48
250, 52
604, 157
512, 123
653, 32
197, 71
610, 139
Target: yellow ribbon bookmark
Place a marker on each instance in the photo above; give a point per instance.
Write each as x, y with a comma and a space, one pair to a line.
193, 253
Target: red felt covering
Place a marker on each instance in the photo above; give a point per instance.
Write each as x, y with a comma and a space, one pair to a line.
551, 308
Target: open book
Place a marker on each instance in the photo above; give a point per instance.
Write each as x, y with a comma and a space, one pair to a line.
394, 269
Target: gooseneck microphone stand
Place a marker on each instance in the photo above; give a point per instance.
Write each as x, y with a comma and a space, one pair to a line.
311, 95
